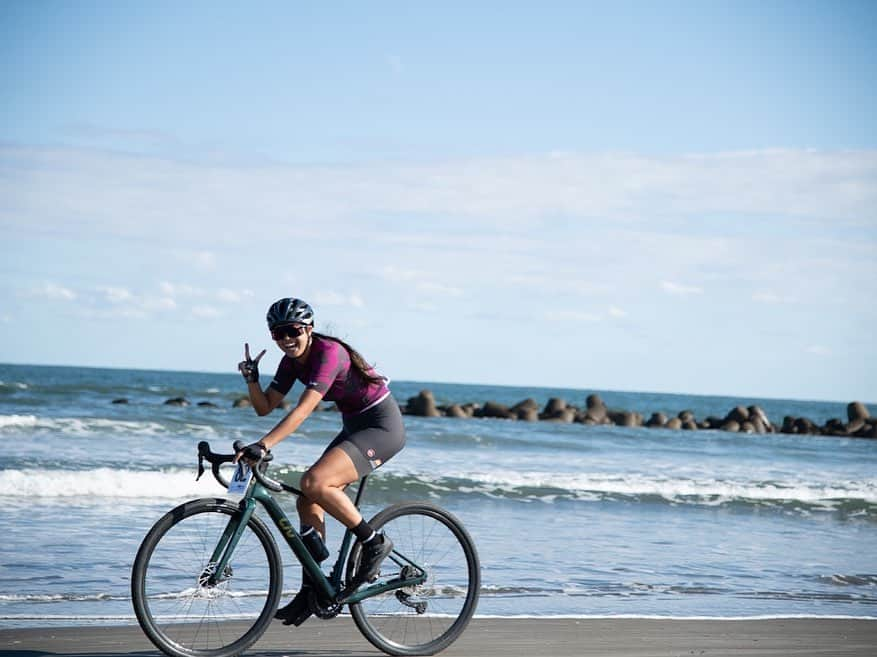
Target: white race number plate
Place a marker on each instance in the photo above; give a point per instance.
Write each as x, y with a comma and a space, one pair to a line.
241, 480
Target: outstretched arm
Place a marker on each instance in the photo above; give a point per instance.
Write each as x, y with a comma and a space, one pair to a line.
308, 401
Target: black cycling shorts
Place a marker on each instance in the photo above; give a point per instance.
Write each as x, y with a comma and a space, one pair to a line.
373, 437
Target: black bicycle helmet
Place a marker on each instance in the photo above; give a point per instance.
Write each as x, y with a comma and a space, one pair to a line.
290, 311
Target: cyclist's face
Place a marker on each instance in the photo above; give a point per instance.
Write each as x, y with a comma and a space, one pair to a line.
292, 339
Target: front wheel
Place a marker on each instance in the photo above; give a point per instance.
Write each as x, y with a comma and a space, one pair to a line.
183, 606
426, 618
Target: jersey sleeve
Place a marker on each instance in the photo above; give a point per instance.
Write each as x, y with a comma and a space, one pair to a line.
330, 362
284, 378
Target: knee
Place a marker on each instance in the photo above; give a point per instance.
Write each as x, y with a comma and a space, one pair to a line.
312, 485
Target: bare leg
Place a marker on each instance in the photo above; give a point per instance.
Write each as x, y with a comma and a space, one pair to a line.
323, 490
311, 513
323, 486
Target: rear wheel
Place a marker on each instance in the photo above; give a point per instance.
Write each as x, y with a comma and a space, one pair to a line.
426, 618
179, 609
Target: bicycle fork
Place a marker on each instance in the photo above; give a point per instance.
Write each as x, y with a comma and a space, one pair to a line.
217, 569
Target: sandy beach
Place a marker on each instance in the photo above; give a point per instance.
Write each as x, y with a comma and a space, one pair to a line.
505, 637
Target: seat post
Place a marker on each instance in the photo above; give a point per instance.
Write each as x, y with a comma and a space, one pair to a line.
359, 491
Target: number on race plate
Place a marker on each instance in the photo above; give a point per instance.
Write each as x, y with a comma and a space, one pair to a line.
241, 479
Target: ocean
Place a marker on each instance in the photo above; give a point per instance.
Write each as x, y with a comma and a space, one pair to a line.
570, 520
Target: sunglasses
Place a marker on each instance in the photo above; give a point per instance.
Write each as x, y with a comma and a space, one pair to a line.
292, 331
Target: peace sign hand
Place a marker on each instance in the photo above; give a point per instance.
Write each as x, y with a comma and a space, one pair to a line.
249, 367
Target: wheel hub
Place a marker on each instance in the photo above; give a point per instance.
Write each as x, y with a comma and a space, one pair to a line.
210, 586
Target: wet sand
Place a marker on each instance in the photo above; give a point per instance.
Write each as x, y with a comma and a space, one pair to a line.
504, 638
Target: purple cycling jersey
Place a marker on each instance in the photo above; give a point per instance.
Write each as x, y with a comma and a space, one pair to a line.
329, 372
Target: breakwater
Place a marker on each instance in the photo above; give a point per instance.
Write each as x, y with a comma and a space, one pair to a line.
746, 419
741, 418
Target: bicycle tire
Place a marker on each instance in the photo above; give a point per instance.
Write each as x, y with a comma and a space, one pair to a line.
182, 615
433, 538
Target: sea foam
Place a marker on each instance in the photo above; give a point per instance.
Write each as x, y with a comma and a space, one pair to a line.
88, 426
709, 491
106, 483
17, 421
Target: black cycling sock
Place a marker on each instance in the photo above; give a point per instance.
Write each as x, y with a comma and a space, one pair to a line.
364, 532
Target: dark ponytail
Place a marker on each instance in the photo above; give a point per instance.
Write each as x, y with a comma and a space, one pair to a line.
356, 361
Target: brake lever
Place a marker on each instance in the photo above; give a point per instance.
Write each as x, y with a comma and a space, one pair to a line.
201, 447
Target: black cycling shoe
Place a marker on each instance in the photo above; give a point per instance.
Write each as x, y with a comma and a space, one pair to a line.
373, 553
298, 610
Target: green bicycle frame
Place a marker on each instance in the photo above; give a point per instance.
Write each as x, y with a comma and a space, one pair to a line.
330, 587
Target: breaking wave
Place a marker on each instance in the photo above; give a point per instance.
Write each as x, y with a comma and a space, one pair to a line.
851, 497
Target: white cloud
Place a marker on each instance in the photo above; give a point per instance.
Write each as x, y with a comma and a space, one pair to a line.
115, 301
679, 289
179, 290
199, 203
52, 292
818, 350
115, 294
616, 312
585, 224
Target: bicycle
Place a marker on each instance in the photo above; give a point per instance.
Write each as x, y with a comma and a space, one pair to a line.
208, 576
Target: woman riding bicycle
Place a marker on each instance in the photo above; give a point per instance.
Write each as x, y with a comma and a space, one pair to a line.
372, 431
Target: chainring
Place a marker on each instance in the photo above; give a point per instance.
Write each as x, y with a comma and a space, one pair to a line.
321, 610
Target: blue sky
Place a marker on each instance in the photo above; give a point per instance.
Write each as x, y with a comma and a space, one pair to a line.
675, 197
